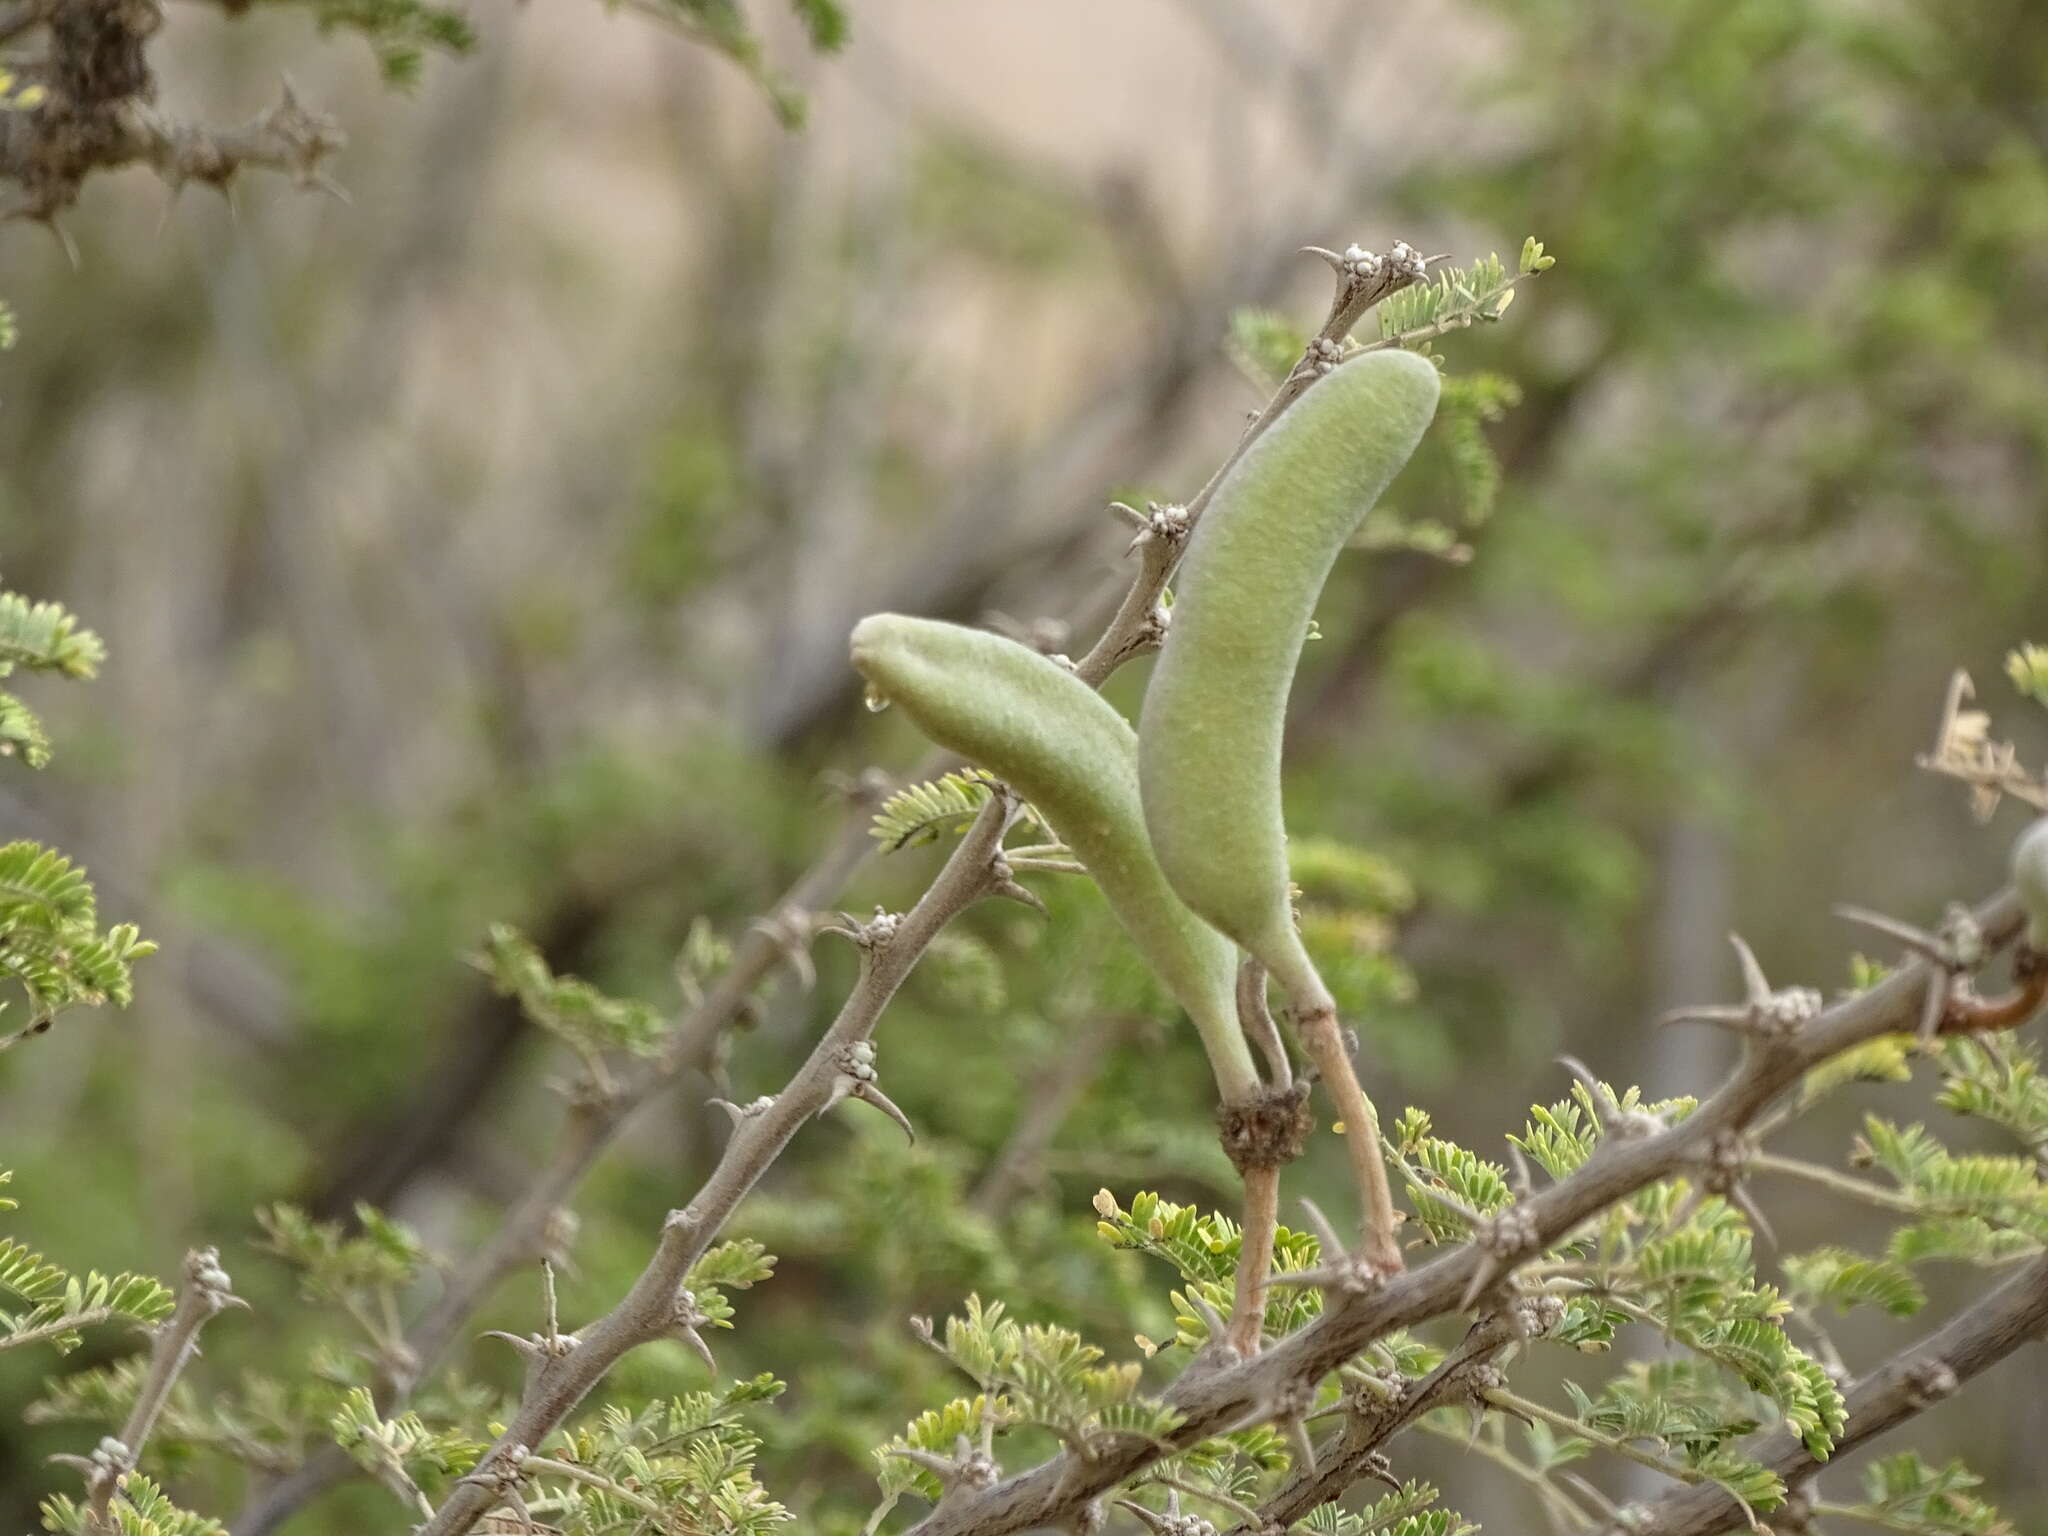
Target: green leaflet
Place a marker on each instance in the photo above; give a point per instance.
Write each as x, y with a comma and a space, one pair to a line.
1062, 746
2030, 875
1209, 737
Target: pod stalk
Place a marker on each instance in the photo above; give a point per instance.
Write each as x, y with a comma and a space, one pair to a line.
1255, 1257
1323, 1039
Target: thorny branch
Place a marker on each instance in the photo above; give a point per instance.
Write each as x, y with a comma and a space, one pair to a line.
95, 114
1631, 1158
84, 104
594, 1122
658, 1301
1139, 624
968, 874
206, 1293
1370, 1423
1217, 1400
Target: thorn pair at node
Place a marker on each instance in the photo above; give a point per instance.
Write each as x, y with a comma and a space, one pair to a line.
1765, 1013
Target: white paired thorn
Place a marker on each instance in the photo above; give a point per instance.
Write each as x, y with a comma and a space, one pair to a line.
1957, 950
1765, 1013
1172, 1522
686, 1318
857, 1079
1162, 522
972, 1466
1616, 1122
1521, 1181
1003, 882
1727, 1160
1340, 1270
740, 1114
1502, 1239
1485, 1379
1758, 1222
1217, 1352
869, 936
1288, 1411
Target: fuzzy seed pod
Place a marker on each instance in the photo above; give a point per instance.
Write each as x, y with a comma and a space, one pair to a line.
2030, 876
1064, 748
1209, 737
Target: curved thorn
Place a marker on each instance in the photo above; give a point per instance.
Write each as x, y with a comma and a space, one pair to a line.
868, 1093
1915, 939
1757, 1220
1328, 257
691, 1337
1605, 1110
525, 1346
1487, 1272
1509, 1409
1717, 1015
1433, 1188
1756, 987
1523, 1181
1012, 891
65, 243
1294, 1431
1211, 1318
848, 928
1326, 1234
938, 1466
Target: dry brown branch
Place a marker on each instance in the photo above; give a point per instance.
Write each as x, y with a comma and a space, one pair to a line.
93, 111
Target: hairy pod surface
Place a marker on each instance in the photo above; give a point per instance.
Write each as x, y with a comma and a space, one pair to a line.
2030, 877
1210, 733
1064, 748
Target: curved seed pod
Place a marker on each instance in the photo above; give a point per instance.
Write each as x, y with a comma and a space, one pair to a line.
1063, 747
2030, 876
1209, 737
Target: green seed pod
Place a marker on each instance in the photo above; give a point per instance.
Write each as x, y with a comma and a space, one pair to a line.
1209, 737
1063, 747
2030, 876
